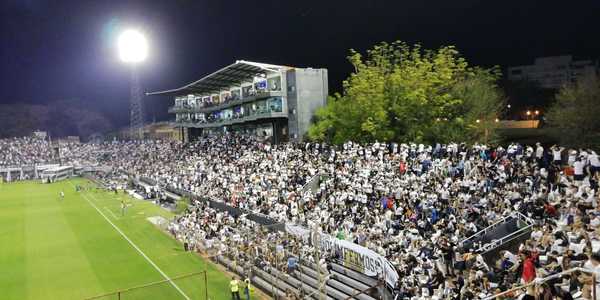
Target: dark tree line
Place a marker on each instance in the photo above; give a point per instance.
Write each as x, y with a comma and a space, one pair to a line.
59, 118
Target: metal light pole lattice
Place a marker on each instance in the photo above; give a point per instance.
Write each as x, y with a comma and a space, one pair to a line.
133, 49
136, 107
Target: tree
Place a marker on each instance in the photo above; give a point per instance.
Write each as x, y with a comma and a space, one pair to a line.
575, 112
17, 120
482, 102
60, 118
403, 93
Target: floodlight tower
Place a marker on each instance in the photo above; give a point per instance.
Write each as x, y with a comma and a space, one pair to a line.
133, 49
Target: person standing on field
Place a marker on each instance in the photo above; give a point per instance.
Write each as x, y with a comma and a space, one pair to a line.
123, 207
62, 195
234, 284
247, 288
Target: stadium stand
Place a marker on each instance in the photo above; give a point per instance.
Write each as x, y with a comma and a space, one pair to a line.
411, 204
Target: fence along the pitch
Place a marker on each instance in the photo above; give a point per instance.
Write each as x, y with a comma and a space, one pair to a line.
195, 285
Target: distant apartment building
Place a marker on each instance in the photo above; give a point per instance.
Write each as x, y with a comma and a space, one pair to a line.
554, 71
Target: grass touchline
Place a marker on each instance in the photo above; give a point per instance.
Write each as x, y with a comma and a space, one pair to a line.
132, 244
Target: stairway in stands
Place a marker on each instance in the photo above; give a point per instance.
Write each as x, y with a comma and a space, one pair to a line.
341, 283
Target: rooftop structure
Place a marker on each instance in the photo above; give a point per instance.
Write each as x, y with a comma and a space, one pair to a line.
271, 101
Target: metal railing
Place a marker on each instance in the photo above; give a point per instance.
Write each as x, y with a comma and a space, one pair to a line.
365, 291
498, 242
539, 281
151, 289
311, 181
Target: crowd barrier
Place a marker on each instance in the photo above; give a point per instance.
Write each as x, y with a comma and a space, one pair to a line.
234, 211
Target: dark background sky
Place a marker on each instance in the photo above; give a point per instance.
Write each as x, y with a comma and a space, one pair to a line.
53, 50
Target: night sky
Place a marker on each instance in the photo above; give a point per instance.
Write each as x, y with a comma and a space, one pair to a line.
54, 50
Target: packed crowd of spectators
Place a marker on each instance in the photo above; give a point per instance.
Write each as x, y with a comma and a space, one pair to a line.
411, 203
24, 151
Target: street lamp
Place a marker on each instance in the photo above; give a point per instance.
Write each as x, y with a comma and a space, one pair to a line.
133, 50
485, 130
530, 117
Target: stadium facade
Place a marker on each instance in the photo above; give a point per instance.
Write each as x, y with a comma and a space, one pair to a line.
271, 101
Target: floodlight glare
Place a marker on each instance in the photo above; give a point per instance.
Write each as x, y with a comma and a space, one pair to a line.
133, 47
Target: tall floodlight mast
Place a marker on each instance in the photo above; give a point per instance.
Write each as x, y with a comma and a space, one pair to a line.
133, 50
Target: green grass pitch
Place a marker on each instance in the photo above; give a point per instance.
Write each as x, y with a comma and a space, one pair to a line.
53, 249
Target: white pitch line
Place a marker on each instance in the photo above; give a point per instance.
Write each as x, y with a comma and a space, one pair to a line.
135, 246
112, 213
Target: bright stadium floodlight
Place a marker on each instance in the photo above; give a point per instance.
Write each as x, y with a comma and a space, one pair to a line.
133, 47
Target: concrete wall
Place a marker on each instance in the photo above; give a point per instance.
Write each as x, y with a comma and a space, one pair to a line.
292, 104
519, 124
310, 92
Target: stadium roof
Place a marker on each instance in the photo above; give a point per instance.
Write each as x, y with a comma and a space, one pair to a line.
226, 77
